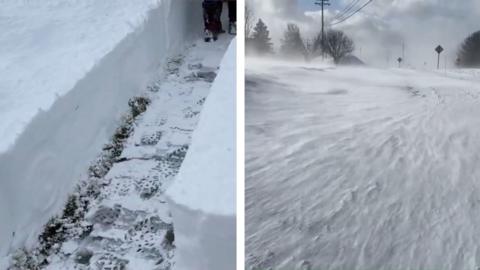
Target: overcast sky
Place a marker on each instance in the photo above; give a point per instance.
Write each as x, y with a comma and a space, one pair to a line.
382, 27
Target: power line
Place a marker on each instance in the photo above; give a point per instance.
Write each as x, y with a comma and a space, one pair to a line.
346, 10
355, 12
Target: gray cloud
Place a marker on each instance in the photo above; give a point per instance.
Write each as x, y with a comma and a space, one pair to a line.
380, 30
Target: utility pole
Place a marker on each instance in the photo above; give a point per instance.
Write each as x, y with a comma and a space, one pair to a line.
323, 4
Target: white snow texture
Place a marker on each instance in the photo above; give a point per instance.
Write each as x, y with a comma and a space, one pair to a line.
361, 168
203, 193
206, 181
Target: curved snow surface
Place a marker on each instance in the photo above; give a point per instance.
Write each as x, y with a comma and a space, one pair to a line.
68, 69
203, 192
351, 168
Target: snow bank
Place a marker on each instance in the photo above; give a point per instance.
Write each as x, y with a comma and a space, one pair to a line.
68, 69
47, 46
203, 194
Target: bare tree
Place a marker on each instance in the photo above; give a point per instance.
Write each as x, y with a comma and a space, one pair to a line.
336, 44
249, 20
469, 53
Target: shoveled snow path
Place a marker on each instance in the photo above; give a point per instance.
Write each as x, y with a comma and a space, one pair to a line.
357, 168
131, 217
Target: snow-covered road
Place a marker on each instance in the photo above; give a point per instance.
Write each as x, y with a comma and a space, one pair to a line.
358, 168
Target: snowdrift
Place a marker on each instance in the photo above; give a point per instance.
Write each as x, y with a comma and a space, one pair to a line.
361, 168
203, 194
80, 62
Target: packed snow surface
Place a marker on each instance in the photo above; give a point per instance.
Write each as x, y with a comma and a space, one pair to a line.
131, 217
206, 180
47, 46
359, 168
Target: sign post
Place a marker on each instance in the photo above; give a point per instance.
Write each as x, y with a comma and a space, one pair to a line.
399, 61
439, 50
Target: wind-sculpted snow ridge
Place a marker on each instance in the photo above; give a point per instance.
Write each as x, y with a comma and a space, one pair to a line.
127, 222
70, 69
358, 168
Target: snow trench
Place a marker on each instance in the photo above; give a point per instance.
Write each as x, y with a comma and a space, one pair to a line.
56, 148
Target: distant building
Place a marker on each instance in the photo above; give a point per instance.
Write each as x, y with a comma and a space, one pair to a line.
351, 60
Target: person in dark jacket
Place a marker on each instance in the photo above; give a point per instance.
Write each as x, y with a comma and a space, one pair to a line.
232, 16
212, 12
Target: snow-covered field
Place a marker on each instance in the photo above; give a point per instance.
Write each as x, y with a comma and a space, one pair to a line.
361, 168
68, 69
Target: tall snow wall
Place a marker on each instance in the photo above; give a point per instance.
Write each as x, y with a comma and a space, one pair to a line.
55, 149
202, 197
